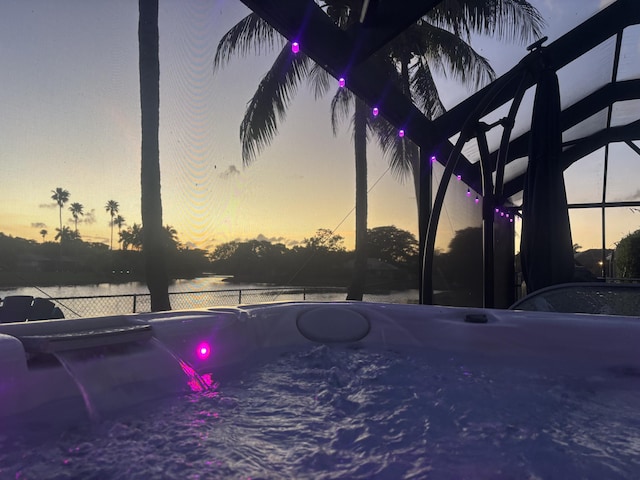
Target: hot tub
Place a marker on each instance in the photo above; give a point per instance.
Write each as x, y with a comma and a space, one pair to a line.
404, 390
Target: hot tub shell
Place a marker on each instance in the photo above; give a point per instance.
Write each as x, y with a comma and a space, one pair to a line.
236, 336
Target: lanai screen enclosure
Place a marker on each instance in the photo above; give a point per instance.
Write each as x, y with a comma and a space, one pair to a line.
486, 150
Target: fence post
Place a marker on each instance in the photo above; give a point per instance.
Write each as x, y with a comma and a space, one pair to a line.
135, 302
239, 297
304, 293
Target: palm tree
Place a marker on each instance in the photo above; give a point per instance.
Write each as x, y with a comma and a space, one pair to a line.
60, 196
440, 42
44, 233
76, 210
132, 236
437, 46
112, 207
65, 234
171, 238
149, 64
119, 221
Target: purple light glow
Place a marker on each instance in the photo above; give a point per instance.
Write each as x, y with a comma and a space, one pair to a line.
401, 133
502, 214
459, 177
477, 200
497, 210
341, 82
433, 159
196, 383
203, 351
468, 192
295, 47
375, 111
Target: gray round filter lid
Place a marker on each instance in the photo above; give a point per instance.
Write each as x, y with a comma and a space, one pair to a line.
333, 325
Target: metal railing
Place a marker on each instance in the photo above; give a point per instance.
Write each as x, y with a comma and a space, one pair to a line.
93, 306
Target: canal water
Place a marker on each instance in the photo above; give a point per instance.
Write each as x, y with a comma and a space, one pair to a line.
226, 293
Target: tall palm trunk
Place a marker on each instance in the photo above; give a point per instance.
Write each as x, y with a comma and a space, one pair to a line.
111, 244
411, 148
153, 248
356, 289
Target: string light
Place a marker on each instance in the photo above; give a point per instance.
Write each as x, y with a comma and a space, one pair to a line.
468, 192
477, 199
295, 47
375, 111
459, 177
341, 82
401, 133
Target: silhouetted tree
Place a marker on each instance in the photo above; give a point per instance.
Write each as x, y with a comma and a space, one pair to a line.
112, 208
153, 248
428, 44
131, 237
392, 245
324, 241
627, 256
66, 235
61, 196
119, 221
76, 210
44, 233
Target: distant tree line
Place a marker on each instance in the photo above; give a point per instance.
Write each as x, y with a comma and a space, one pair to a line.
72, 260
322, 259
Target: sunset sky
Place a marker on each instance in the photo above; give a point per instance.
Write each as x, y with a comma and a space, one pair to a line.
70, 118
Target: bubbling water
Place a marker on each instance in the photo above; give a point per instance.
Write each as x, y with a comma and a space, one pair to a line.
333, 412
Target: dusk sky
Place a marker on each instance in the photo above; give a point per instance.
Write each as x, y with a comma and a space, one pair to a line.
70, 118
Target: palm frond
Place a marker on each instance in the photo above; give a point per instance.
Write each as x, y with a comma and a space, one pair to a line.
425, 91
448, 54
320, 80
269, 103
341, 104
511, 20
394, 148
251, 35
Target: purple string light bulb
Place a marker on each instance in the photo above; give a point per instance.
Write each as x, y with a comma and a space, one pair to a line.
375, 111
401, 133
341, 82
295, 47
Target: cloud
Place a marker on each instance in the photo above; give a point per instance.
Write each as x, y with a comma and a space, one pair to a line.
263, 238
38, 225
286, 241
48, 205
89, 218
230, 172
